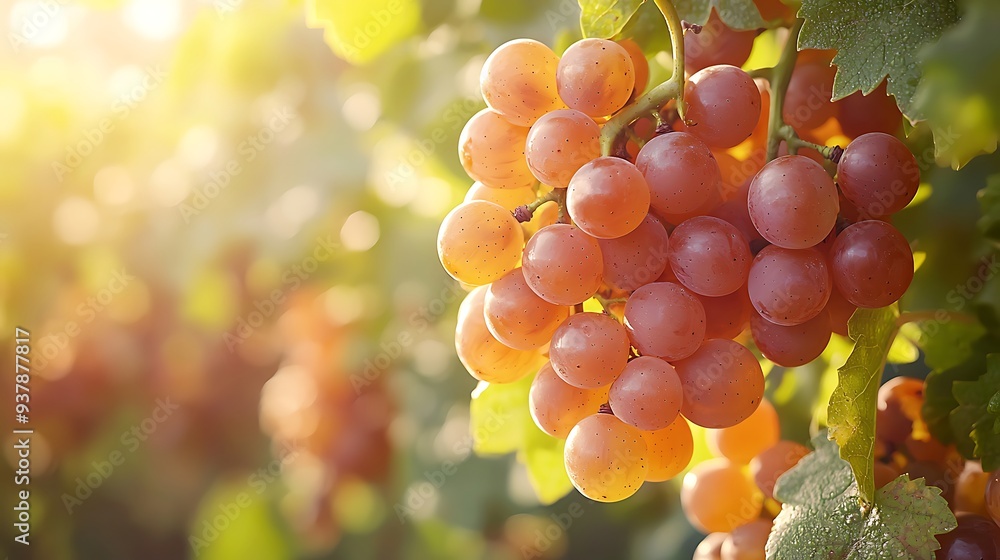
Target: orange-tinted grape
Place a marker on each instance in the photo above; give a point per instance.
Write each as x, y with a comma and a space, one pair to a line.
589, 350
559, 144
710, 256
774, 462
716, 44
485, 357
605, 458
492, 151
710, 548
878, 174
723, 103
665, 320
718, 497
970, 489
639, 64
516, 315
557, 406
884, 474
647, 394
747, 542
807, 100
519, 81
509, 199
899, 402
608, 197
479, 242
595, 76
562, 264
791, 346
744, 441
637, 258
871, 263
723, 384
669, 450
789, 286
681, 172
793, 202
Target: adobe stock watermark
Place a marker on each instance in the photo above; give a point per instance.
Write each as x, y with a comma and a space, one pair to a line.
87, 311
247, 151
130, 441
292, 279
228, 512
34, 22
421, 494
556, 528
454, 117
391, 349
366, 32
91, 138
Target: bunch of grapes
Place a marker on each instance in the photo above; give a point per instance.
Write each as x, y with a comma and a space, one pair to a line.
696, 249
903, 444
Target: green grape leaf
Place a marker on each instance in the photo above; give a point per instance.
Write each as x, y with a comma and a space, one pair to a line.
737, 14
876, 39
851, 415
498, 414
902, 351
543, 457
359, 32
648, 28
822, 516
500, 424
606, 18
960, 101
989, 206
973, 416
946, 342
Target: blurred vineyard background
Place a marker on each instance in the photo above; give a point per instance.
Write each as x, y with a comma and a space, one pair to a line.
221, 236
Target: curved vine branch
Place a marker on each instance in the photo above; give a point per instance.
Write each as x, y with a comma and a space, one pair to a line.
657, 97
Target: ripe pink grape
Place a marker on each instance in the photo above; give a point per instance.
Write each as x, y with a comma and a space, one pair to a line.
492, 151
562, 264
807, 101
605, 458
608, 198
789, 286
636, 258
747, 542
595, 76
589, 350
840, 311
669, 450
665, 320
509, 199
716, 44
519, 81
557, 406
723, 384
878, 174
709, 256
516, 315
681, 172
872, 264
791, 346
727, 316
559, 144
479, 242
793, 203
710, 548
741, 442
485, 357
647, 394
993, 496
724, 104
